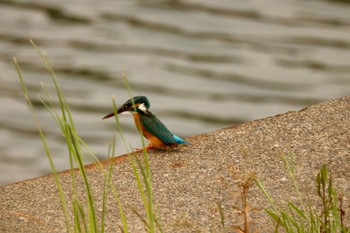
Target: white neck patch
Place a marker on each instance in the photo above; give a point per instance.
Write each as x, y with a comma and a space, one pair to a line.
142, 107
126, 113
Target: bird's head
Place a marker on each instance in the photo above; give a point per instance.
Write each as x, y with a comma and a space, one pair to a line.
135, 104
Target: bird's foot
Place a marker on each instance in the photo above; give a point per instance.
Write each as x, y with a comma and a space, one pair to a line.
147, 148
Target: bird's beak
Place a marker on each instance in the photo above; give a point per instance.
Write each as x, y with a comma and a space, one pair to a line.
122, 109
108, 116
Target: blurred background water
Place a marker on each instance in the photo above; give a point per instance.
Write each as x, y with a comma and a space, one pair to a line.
203, 64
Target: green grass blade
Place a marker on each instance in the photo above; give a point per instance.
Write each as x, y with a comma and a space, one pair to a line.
52, 73
46, 147
139, 183
274, 216
143, 220
289, 165
115, 192
91, 211
79, 217
267, 195
222, 216
158, 221
104, 204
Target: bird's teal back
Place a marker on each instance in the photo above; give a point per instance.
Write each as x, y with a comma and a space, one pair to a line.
154, 126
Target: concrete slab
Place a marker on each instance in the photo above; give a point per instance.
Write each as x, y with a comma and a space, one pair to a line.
189, 181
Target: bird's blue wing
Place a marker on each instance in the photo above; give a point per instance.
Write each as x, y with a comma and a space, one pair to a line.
153, 125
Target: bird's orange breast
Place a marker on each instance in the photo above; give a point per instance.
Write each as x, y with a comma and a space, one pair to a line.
154, 141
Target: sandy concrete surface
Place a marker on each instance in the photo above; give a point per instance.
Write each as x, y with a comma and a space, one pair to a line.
190, 181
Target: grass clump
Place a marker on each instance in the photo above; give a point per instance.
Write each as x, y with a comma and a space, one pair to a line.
82, 216
312, 219
325, 215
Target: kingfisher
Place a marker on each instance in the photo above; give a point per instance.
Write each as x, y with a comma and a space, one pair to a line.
148, 124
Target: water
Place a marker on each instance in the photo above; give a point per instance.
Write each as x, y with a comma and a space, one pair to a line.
203, 64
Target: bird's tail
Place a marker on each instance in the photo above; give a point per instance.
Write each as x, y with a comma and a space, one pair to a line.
179, 140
